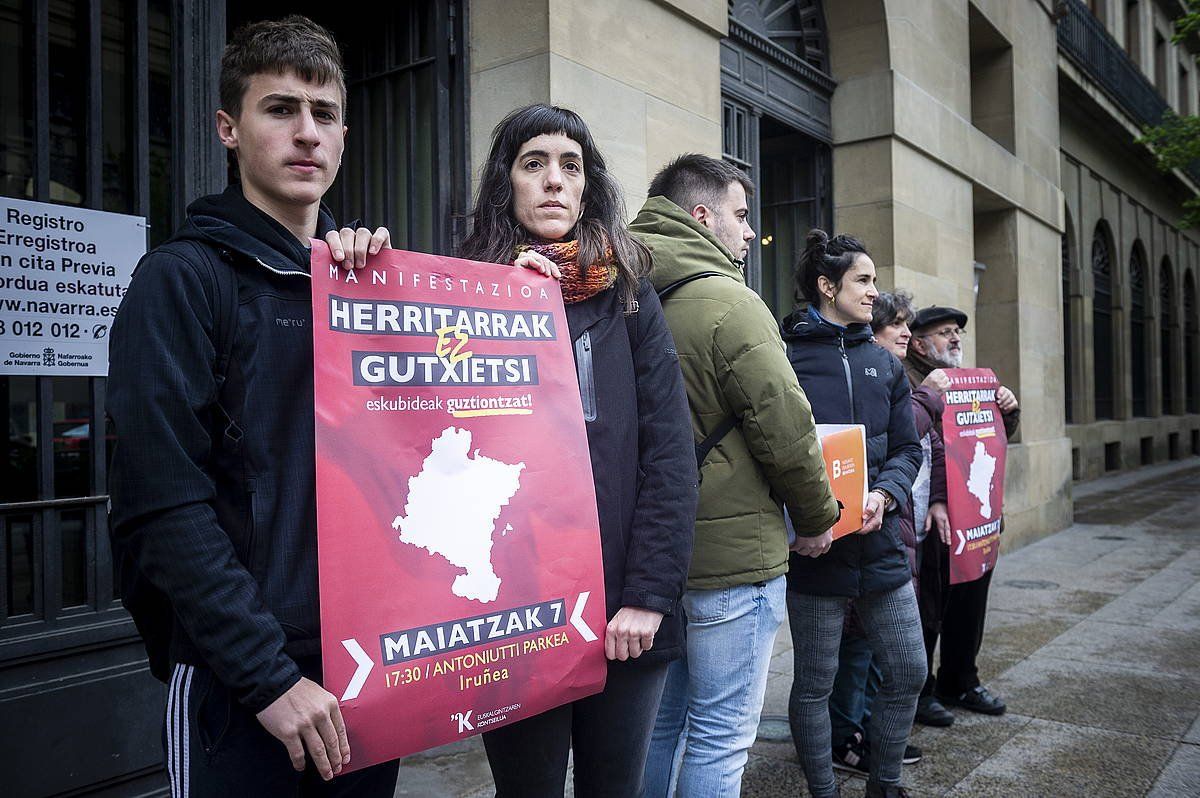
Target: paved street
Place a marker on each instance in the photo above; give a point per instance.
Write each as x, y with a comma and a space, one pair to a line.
1093, 640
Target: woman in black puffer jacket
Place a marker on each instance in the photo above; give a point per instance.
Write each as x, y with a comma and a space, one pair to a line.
850, 380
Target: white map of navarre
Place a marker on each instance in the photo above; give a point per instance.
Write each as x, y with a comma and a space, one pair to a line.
979, 481
453, 504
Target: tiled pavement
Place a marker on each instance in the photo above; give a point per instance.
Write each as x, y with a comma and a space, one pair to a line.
1093, 640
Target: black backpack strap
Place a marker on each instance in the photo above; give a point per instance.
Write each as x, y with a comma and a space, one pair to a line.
705, 446
729, 422
225, 295
671, 288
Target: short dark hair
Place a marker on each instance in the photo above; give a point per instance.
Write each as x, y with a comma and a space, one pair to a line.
495, 233
293, 43
693, 179
890, 308
825, 257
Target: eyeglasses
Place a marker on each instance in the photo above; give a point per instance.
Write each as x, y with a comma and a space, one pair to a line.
947, 333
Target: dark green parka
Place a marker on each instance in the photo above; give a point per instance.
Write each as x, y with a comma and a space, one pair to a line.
734, 362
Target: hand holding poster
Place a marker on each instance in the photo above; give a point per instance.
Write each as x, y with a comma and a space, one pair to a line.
459, 551
844, 447
975, 442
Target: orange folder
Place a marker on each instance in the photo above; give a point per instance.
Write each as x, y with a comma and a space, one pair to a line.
844, 447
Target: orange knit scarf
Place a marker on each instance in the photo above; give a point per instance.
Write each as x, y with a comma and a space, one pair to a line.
577, 284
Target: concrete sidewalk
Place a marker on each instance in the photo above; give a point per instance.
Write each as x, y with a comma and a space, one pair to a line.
1093, 641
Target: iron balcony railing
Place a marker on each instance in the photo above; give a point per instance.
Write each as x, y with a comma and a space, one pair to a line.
1086, 42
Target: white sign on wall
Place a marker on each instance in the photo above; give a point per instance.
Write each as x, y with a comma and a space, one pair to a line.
63, 272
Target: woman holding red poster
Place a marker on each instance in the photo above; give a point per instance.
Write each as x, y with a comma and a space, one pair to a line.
850, 380
547, 201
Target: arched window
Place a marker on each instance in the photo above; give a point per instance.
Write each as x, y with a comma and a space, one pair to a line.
1102, 332
1138, 366
1066, 311
1191, 340
1166, 354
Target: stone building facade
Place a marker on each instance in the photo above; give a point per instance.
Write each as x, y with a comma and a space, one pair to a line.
1129, 273
984, 149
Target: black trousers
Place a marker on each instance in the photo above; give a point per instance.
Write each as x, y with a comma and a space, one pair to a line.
610, 733
216, 748
962, 635
956, 614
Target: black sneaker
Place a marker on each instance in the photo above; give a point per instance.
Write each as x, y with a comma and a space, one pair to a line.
852, 756
912, 755
930, 712
890, 791
976, 700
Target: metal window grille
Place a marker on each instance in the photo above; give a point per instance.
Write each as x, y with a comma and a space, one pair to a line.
1068, 359
1102, 324
1191, 343
1138, 342
92, 84
1166, 351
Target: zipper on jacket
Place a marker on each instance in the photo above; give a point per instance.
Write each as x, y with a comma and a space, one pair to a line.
587, 379
849, 378
252, 527
289, 273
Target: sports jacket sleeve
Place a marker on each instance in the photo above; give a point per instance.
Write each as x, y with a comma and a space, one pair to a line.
930, 403
761, 390
161, 391
937, 467
904, 450
660, 543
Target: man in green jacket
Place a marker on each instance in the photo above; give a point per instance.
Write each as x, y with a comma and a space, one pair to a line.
739, 382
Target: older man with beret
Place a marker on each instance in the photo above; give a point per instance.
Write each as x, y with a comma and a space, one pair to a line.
936, 345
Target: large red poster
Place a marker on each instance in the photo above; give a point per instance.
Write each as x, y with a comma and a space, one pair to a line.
459, 549
973, 433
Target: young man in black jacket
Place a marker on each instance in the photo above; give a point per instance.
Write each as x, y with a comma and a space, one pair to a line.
213, 478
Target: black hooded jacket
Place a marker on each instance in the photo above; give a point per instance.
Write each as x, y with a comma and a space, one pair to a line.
851, 380
643, 458
215, 504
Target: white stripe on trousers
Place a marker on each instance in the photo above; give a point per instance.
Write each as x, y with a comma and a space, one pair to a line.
170, 725
178, 742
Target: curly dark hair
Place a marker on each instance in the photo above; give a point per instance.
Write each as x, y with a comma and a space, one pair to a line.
891, 307
496, 234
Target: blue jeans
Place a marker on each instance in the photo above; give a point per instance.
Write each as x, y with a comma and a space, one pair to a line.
854, 688
708, 717
669, 735
893, 627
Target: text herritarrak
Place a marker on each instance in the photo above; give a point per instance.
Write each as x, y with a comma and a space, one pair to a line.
382, 317
975, 398
450, 363
439, 638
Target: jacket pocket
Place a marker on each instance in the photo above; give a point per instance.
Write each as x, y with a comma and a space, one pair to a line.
251, 552
706, 606
211, 712
587, 377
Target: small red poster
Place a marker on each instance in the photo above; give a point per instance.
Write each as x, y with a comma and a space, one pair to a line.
973, 434
459, 547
